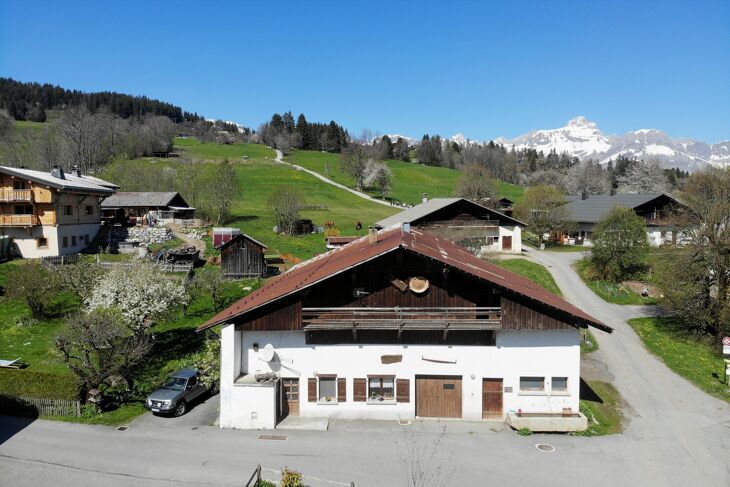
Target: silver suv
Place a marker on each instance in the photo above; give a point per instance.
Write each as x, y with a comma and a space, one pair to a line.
176, 393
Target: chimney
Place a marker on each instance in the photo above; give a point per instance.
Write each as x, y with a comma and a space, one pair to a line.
613, 191
77, 171
406, 227
583, 195
57, 172
372, 236
424, 198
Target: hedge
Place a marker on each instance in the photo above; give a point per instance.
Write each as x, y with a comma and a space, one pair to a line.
29, 383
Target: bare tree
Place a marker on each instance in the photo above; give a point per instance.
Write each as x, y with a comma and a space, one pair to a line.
354, 162
543, 209
476, 184
422, 463
588, 177
286, 203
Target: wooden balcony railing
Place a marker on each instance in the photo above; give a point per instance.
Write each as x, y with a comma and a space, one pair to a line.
464, 223
11, 195
18, 220
459, 318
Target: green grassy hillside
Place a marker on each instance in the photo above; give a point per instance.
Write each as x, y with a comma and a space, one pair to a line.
256, 179
410, 180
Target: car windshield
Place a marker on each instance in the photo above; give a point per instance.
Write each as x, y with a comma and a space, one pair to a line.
175, 383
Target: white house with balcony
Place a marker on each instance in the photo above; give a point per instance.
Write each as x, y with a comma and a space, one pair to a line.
49, 214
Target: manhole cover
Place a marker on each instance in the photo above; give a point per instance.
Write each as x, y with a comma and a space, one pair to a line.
272, 437
544, 447
122, 428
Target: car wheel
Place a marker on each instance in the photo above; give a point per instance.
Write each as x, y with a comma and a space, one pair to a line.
180, 409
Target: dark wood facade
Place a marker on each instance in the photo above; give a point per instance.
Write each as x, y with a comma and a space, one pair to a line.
242, 257
371, 285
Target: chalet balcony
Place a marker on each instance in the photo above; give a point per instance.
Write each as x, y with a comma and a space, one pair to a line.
15, 195
464, 223
18, 220
466, 318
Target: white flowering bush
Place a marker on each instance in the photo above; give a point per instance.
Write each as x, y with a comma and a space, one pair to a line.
141, 293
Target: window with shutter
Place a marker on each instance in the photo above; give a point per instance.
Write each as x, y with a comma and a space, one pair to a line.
341, 390
312, 389
359, 390
403, 390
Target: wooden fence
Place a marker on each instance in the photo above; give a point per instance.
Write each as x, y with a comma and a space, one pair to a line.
61, 259
39, 406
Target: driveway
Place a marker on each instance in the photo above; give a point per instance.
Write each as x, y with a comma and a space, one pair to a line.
202, 412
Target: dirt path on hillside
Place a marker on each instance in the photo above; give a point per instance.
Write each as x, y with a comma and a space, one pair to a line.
189, 241
280, 155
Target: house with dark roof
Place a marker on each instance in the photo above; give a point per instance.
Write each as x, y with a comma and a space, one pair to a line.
48, 214
400, 324
657, 210
479, 228
165, 205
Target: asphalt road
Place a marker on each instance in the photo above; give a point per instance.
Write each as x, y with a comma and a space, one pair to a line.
677, 436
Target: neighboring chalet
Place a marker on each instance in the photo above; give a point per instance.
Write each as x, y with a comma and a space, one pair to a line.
129, 205
401, 324
242, 256
50, 213
585, 211
477, 227
506, 206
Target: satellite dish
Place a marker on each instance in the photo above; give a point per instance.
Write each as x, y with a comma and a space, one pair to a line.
267, 353
418, 285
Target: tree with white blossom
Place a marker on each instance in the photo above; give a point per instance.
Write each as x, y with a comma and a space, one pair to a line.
141, 293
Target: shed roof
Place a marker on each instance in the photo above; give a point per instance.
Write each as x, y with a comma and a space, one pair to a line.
412, 215
595, 207
241, 236
70, 182
143, 199
425, 244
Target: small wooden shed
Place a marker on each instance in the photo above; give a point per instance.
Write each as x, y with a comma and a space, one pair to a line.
242, 256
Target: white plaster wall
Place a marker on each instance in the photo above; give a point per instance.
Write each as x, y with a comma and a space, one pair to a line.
514, 232
25, 241
79, 231
517, 353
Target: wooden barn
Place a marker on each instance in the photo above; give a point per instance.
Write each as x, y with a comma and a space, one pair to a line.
242, 256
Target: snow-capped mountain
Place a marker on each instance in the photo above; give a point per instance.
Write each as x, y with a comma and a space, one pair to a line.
582, 138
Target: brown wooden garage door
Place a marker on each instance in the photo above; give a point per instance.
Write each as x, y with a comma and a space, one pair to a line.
438, 396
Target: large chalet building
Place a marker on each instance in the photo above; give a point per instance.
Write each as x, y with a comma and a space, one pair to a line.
477, 227
396, 325
50, 213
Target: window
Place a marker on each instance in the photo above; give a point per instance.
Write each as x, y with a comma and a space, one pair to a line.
41, 243
532, 383
23, 210
89, 210
191, 382
560, 384
68, 210
73, 241
327, 389
65, 242
381, 388
18, 184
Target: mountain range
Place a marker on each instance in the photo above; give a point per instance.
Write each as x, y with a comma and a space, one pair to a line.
582, 138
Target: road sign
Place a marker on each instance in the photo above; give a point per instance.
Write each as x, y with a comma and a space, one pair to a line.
726, 341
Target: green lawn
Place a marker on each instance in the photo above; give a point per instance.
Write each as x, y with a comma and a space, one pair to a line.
603, 410
693, 359
409, 180
26, 125
609, 291
211, 151
531, 270
588, 345
176, 342
251, 212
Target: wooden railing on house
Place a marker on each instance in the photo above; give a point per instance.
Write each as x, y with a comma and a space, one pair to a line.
456, 223
11, 195
433, 318
18, 220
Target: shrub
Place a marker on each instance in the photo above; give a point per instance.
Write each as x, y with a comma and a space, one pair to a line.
620, 245
31, 383
291, 478
34, 285
524, 431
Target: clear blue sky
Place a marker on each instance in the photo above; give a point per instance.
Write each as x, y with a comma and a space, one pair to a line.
486, 70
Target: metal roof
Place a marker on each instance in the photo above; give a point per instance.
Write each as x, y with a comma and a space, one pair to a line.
412, 215
595, 207
361, 251
132, 199
70, 182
